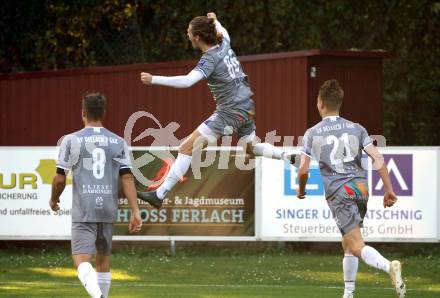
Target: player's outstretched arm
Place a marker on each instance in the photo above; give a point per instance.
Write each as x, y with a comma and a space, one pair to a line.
379, 165
176, 81
303, 176
58, 185
219, 26
128, 187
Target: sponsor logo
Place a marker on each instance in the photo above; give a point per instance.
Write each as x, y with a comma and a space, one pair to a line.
314, 185
400, 168
45, 169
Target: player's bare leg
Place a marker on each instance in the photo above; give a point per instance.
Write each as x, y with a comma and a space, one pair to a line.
355, 244
87, 275
102, 265
195, 141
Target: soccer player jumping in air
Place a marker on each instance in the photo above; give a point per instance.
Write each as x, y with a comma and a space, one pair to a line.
230, 87
337, 145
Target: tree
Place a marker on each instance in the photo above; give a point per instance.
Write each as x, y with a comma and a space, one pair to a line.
58, 34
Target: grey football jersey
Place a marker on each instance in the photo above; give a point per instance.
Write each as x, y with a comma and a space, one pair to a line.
95, 156
226, 79
337, 144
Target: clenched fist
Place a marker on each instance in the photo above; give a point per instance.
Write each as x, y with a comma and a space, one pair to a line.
211, 15
389, 199
54, 204
300, 194
146, 78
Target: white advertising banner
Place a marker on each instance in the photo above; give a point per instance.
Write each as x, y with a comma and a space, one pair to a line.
210, 213
414, 173
26, 175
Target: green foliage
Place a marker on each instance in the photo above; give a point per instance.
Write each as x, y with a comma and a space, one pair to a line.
41, 35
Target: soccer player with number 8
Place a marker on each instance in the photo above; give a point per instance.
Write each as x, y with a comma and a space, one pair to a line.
97, 158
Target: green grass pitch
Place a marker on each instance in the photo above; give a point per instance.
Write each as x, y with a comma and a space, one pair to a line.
216, 272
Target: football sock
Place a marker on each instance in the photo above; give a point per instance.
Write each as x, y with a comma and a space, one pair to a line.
104, 281
373, 258
177, 171
87, 276
350, 267
267, 150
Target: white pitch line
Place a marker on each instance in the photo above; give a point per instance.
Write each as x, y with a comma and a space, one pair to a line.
140, 285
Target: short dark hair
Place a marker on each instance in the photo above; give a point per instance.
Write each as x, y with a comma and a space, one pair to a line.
204, 27
331, 94
94, 104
